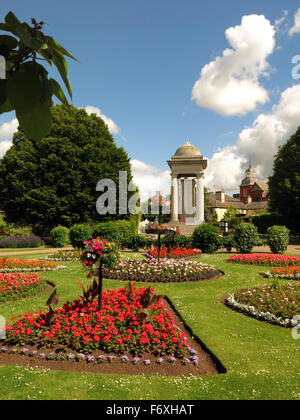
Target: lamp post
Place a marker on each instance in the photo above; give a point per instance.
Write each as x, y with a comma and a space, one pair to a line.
223, 227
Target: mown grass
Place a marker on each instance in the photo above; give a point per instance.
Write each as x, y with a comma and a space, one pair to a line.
262, 360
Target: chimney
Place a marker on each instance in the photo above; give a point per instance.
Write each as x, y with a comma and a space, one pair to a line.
220, 196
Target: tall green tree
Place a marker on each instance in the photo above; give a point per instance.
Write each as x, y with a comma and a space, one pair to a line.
284, 184
26, 87
53, 181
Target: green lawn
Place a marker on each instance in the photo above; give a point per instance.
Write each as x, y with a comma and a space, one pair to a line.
262, 360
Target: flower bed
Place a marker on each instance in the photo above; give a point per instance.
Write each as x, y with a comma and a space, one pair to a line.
278, 304
173, 253
18, 242
15, 285
122, 326
275, 260
289, 272
9, 265
168, 270
72, 255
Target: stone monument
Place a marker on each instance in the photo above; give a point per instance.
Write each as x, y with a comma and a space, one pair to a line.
187, 190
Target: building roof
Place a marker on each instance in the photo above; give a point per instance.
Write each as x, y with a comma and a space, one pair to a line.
256, 205
262, 185
187, 151
229, 201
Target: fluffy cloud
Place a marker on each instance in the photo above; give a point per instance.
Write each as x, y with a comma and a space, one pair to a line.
296, 27
6, 132
230, 84
112, 126
257, 144
149, 179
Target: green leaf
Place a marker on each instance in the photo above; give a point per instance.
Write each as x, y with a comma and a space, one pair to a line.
36, 122
21, 30
61, 65
8, 41
5, 105
28, 86
58, 92
57, 47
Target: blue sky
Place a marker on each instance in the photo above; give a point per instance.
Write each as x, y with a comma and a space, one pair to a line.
139, 61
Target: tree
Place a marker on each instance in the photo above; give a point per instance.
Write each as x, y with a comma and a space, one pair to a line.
53, 181
284, 184
26, 87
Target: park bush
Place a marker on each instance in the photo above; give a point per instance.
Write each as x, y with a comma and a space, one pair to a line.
278, 239
228, 243
245, 237
59, 236
107, 230
207, 238
80, 233
265, 220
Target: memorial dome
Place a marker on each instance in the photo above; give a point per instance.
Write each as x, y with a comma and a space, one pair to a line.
187, 151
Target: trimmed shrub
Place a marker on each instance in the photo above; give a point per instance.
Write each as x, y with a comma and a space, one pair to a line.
278, 239
265, 220
228, 243
174, 241
207, 238
245, 237
59, 236
20, 231
107, 230
80, 233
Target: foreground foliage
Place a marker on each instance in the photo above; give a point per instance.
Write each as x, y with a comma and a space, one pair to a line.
26, 87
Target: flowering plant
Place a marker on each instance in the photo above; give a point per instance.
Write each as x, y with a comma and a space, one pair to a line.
15, 285
288, 272
168, 270
275, 260
117, 328
277, 303
11, 264
107, 253
174, 252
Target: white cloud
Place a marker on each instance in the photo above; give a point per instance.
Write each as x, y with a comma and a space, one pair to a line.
150, 179
257, 144
4, 146
296, 27
224, 170
112, 126
230, 84
7, 130
280, 21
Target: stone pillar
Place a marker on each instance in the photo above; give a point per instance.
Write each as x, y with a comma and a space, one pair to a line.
200, 200
174, 199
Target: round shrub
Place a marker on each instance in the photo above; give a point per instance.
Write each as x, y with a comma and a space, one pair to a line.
207, 238
80, 233
107, 230
59, 236
245, 237
228, 243
278, 239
